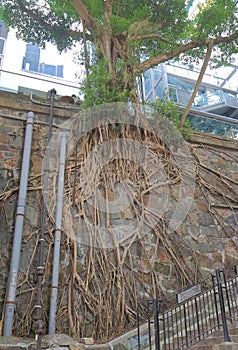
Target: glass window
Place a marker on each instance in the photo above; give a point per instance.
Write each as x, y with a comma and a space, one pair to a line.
2, 42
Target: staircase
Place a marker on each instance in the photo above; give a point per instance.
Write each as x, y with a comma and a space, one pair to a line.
216, 341
203, 321
207, 320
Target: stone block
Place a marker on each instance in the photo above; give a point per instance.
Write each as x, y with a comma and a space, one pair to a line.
12, 347
10, 163
77, 347
60, 339
193, 231
5, 148
210, 231
163, 255
86, 341
4, 138
232, 220
205, 219
99, 347
225, 346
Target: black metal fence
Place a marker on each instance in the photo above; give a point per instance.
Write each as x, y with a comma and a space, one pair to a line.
200, 311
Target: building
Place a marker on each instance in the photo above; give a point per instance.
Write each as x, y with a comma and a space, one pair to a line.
217, 88
3, 38
35, 69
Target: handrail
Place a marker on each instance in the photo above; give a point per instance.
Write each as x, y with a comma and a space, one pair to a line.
194, 319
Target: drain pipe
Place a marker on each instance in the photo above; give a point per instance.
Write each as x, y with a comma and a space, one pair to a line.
58, 229
40, 268
16, 249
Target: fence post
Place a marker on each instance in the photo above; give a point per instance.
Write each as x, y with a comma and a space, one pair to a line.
185, 323
227, 295
149, 323
156, 325
164, 326
215, 299
138, 326
222, 305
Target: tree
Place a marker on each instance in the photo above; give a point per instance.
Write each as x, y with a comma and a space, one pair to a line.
100, 293
130, 36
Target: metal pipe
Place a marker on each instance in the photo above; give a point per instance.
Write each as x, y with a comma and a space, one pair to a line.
58, 228
40, 268
20, 215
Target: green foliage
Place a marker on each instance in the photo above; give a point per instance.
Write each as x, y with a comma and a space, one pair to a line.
170, 111
137, 30
62, 8
56, 20
210, 126
40, 24
96, 8
133, 10
99, 87
120, 24
216, 17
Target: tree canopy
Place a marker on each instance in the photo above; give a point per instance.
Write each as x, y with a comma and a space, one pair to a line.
130, 36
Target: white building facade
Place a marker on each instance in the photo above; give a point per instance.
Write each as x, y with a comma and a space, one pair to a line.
25, 66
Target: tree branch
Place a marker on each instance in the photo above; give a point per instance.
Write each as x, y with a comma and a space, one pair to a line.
198, 83
151, 36
85, 15
108, 9
154, 61
32, 14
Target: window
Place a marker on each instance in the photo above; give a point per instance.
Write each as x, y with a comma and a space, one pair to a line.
31, 62
2, 44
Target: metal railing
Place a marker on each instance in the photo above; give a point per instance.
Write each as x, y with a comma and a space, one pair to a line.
202, 310
214, 124
216, 97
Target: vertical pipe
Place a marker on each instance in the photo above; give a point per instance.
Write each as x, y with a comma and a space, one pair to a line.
16, 249
40, 267
58, 224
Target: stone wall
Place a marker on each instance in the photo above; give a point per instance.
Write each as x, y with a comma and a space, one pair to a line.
209, 231
13, 112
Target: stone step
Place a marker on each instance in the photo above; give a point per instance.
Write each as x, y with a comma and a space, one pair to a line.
221, 346
216, 338
216, 341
